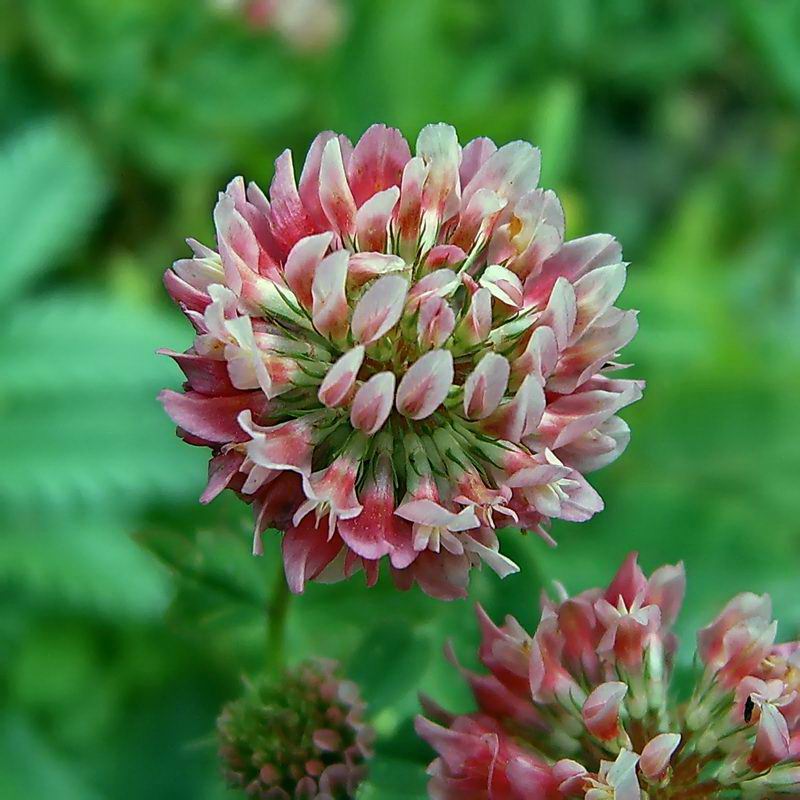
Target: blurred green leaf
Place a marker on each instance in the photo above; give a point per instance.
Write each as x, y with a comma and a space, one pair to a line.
29, 768
394, 779
89, 564
51, 193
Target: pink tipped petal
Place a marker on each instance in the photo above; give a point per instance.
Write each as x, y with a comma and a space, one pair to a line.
366, 266
373, 403
377, 163
772, 739
473, 156
511, 172
302, 263
309, 178
666, 588
595, 293
238, 245
502, 284
409, 214
438, 146
307, 551
335, 196
540, 355
485, 386
426, 385
380, 309
213, 419
573, 260
518, 417
287, 446
338, 384
435, 323
656, 755
288, 219
372, 219
602, 708
329, 299
474, 328
561, 312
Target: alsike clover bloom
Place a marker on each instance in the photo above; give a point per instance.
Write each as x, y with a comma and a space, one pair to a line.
400, 354
583, 708
301, 735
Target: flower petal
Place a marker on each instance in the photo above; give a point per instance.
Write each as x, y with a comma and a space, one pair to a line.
373, 403
380, 309
341, 378
426, 385
329, 300
485, 386
302, 263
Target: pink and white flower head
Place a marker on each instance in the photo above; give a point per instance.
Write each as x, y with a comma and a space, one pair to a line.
307, 25
583, 707
300, 735
411, 336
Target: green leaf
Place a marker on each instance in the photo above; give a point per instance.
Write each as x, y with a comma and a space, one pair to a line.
50, 195
389, 663
394, 779
86, 564
30, 768
80, 421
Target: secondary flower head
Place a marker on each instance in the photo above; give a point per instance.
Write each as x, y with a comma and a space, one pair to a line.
299, 736
307, 25
584, 708
400, 354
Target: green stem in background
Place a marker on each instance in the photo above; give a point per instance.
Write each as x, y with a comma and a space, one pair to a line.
277, 611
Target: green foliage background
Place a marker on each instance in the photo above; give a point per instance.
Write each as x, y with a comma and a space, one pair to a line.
129, 614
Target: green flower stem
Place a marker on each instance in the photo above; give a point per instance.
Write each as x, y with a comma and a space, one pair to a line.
277, 612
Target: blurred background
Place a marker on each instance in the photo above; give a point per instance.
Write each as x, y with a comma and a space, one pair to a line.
129, 613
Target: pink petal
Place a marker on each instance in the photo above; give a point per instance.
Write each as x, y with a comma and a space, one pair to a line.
330, 311
602, 708
372, 219
485, 386
309, 178
503, 284
341, 378
302, 263
373, 403
540, 356
518, 417
438, 146
222, 469
473, 156
595, 293
435, 322
561, 312
366, 266
380, 309
204, 375
334, 191
474, 328
377, 163
408, 218
656, 755
425, 385
238, 246
772, 739
573, 260
307, 550
288, 219
213, 419
512, 171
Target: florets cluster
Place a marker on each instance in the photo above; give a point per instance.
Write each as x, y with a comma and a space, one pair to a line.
301, 736
583, 708
401, 354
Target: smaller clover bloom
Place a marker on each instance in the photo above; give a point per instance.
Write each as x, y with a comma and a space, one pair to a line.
583, 706
307, 25
301, 735
412, 338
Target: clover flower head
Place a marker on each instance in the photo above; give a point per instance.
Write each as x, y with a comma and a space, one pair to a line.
307, 25
400, 354
299, 736
584, 708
